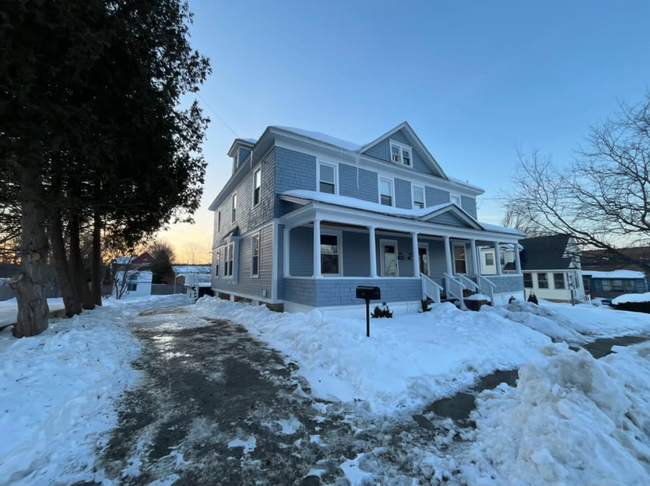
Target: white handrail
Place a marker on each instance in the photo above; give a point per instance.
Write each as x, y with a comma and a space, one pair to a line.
430, 289
486, 286
455, 289
467, 282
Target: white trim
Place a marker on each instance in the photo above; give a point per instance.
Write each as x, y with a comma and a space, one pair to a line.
382, 269
392, 190
463, 245
274, 262
232, 294
255, 171
360, 278
233, 207
424, 197
335, 168
453, 195
339, 246
400, 148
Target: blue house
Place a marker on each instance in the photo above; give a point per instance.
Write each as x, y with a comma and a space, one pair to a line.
305, 218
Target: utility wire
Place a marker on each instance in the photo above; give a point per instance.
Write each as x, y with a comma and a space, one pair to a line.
217, 115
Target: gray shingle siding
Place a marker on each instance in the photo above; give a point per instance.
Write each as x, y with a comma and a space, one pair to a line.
448, 219
469, 205
403, 194
358, 183
302, 252
506, 283
325, 292
435, 196
356, 262
293, 170
245, 284
381, 151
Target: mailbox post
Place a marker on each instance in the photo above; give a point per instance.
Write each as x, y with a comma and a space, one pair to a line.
368, 293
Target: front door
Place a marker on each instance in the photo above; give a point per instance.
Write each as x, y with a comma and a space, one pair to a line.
389, 259
423, 251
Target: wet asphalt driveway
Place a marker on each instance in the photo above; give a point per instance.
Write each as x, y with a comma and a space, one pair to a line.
217, 407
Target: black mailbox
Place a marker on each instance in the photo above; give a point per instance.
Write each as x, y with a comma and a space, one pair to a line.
368, 293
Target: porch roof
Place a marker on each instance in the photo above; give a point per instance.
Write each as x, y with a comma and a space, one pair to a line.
305, 197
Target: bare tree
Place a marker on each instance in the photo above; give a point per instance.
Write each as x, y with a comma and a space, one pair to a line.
196, 253
602, 198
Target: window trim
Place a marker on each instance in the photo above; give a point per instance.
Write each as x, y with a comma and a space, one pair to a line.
257, 235
392, 190
538, 283
255, 172
459, 244
233, 208
400, 146
217, 262
413, 187
339, 245
491, 255
531, 280
335, 168
219, 221
564, 285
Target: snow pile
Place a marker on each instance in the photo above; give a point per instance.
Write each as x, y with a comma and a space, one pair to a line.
570, 420
408, 360
477, 297
623, 299
539, 318
57, 391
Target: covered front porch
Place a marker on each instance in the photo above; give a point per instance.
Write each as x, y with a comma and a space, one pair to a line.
325, 259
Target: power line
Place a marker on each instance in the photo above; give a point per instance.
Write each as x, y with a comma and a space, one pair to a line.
217, 115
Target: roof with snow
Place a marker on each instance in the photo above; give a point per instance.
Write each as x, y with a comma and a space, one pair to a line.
186, 269
618, 274
419, 214
124, 260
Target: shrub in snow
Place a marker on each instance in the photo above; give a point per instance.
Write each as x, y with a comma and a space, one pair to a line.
533, 298
511, 299
571, 419
382, 311
426, 307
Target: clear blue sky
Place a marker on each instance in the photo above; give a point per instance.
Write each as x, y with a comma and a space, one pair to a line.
476, 80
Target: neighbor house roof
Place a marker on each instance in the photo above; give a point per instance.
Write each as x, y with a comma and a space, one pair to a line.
603, 260
623, 274
545, 253
178, 269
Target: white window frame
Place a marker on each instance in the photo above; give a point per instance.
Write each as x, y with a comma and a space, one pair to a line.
259, 252
459, 244
401, 149
458, 199
233, 208
339, 245
486, 255
382, 262
392, 190
336, 176
413, 187
217, 261
255, 172
229, 254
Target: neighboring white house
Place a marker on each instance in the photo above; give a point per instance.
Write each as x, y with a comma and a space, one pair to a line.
488, 259
551, 267
135, 283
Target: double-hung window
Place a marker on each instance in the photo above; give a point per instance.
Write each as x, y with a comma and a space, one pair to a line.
255, 255
132, 284
542, 280
400, 153
231, 258
327, 178
234, 208
218, 221
217, 263
386, 192
558, 280
330, 260
489, 259
528, 280
257, 187
418, 197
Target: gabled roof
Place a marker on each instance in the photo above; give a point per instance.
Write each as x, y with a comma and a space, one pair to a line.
321, 137
416, 141
546, 253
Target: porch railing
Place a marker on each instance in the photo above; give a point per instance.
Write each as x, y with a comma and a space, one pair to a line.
486, 287
467, 282
430, 289
455, 289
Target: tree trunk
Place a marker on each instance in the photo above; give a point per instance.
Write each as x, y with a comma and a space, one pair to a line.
96, 268
71, 300
76, 265
29, 284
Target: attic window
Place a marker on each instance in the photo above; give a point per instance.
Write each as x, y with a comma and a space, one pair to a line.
400, 153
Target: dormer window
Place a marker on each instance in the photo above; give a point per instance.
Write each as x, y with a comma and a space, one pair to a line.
400, 153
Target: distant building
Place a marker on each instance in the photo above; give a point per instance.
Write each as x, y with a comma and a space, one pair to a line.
607, 276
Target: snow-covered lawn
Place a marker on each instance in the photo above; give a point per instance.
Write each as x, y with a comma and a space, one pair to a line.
8, 309
57, 389
571, 419
407, 361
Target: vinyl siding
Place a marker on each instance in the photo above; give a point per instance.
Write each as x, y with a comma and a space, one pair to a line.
293, 170
448, 219
469, 205
435, 196
403, 198
381, 151
361, 185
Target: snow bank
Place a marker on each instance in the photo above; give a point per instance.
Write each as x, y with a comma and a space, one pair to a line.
570, 420
540, 318
408, 360
57, 391
623, 299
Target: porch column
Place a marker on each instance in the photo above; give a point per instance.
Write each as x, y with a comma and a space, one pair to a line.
317, 272
517, 259
497, 257
286, 252
372, 251
474, 257
450, 270
416, 255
